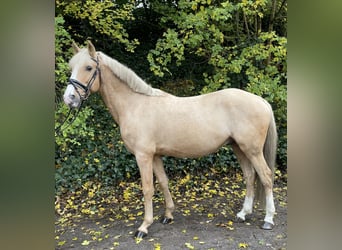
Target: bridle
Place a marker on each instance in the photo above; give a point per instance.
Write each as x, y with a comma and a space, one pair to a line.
86, 89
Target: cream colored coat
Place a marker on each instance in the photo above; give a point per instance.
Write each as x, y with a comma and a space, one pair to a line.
154, 123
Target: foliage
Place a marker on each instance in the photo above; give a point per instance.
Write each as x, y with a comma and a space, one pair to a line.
62, 52
92, 149
240, 56
106, 18
85, 149
183, 47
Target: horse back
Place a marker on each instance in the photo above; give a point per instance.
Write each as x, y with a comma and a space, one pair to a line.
192, 126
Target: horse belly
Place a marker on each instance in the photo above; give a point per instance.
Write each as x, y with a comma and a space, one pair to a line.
191, 141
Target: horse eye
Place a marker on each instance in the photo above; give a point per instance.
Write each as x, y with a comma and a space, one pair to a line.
89, 68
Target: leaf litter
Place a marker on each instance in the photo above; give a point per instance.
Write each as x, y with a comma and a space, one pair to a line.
214, 200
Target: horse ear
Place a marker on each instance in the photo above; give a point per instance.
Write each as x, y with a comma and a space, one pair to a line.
91, 49
75, 47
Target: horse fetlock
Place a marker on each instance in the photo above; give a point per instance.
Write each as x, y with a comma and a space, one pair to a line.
170, 208
241, 215
269, 218
168, 215
143, 227
248, 211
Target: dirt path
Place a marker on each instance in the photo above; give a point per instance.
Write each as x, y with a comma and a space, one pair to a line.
210, 227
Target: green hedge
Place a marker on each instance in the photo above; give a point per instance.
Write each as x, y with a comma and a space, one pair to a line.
193, 60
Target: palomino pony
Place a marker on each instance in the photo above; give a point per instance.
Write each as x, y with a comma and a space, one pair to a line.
154, 123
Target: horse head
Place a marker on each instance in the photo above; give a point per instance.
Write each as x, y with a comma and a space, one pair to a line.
85, 76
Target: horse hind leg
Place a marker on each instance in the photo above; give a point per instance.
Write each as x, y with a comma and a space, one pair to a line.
159, 171
265, 176
249, 174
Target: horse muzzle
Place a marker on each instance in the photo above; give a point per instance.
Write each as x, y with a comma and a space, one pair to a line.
71, 98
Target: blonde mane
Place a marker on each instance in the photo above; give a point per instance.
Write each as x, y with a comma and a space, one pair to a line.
128, 76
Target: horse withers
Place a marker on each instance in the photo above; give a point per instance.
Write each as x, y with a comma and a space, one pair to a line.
154, 123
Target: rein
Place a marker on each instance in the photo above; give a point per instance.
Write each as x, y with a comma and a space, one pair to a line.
86, 89
75, 114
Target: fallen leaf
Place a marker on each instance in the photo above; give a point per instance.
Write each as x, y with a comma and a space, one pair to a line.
188, 245
243, 245
117, 236
61, 243
85, 243
138, 240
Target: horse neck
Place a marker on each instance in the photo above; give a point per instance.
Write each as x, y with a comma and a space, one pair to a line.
118, 97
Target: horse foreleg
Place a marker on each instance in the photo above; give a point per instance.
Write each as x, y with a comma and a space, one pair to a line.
145, 163
159, 171
249, 174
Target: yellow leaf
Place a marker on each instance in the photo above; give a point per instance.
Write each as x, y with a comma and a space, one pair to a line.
61, 243
138, 240
188, 245
195, 238
243, 245
125, 209
157, 246
212, 191
85, 243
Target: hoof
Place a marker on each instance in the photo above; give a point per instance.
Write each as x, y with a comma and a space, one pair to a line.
267, 226
140, 234
239, 220
165, 220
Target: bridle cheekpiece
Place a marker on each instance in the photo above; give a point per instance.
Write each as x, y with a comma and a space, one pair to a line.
86, 88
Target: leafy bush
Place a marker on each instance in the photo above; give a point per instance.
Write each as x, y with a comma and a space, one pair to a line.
198, 46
